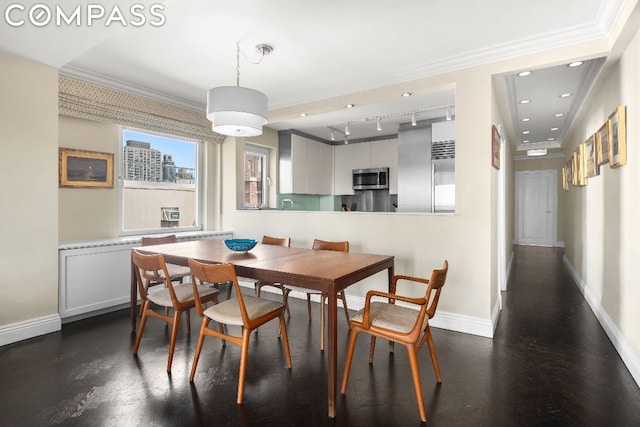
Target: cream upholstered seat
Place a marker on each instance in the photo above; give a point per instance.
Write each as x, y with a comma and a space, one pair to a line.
403, 325
327, 246
151, 269
246, 311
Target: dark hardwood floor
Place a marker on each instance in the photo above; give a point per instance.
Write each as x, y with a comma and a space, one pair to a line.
550, 363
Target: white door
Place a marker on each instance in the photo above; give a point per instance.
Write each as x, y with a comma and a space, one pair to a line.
536, 213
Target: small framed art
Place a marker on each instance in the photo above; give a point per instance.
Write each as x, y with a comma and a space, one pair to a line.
85, 169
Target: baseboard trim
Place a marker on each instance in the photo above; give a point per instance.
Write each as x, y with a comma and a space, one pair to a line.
30, 328
629, 357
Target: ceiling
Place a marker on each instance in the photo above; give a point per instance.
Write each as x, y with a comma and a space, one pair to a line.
326, 51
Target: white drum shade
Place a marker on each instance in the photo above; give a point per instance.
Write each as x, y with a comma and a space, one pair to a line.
237, 111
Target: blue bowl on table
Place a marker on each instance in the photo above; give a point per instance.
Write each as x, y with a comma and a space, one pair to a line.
240, 245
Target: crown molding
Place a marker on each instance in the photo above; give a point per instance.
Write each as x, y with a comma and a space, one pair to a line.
112, 83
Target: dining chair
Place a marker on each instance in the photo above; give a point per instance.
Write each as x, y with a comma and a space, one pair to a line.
248, 312
151, 268
176, 272
401, 324
325, 246
258, 285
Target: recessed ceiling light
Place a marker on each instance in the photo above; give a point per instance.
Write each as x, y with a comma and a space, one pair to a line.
576, 64
524, 73
303, 114
525, 119
526, 141
525, 101
551, 139
554, 129
406, 94
565, 95
350, 105
558, 115
526, 132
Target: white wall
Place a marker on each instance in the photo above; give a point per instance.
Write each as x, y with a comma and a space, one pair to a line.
601, 220
29, 196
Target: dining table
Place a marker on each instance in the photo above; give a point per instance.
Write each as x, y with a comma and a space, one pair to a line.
321, 270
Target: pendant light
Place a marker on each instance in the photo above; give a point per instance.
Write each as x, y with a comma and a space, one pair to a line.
236, 110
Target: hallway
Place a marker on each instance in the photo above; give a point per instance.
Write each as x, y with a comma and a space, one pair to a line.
550, 363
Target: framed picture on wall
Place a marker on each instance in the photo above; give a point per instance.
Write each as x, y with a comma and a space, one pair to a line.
579, 178
591, 167
618, 136
602, 143
495, 147
88, 169
565, 177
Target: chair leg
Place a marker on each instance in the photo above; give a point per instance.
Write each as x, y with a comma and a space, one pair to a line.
246, 333
343, 297
353, 335
413, 361
143, 322
174, 335
229, 288
285, 300
309, 306
372, 349
432, 351
285, 339
196, 356
188, 322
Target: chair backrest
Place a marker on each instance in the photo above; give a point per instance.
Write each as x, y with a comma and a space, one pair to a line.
147, 273
202, 273
438, 277
148, 241
276, 241
331, 246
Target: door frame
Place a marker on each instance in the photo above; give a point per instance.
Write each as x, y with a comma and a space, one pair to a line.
553, 174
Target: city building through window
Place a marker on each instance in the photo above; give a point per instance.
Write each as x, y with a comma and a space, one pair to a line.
159, 182
256, 172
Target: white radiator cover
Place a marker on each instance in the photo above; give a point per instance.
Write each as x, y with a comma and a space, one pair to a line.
95, 277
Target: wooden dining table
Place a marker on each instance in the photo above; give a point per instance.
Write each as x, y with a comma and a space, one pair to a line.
326, 271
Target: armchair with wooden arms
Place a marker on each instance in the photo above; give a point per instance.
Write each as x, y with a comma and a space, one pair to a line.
401, 324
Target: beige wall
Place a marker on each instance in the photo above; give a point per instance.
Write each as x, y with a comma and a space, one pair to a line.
89, 213
601, 220
28, 190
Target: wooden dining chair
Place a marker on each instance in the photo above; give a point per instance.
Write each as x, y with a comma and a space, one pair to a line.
325, 246
401, 324
258, 285
152, 269
247, 312
176, 272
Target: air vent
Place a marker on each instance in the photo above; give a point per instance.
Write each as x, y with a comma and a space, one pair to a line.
443, 150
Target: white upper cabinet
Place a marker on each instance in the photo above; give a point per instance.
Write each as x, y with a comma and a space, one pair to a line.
347, 158
310, 169
362, 155
384, 154
443, 131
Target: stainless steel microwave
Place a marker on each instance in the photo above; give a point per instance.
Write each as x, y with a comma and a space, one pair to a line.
371, 179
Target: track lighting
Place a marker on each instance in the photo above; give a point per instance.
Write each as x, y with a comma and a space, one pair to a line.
379, 126
346, 129
448, 114
413, 119
333, 136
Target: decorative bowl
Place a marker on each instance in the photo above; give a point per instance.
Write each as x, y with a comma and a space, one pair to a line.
240, 245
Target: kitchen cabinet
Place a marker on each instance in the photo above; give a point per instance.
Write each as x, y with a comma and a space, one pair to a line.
305, 166
363, 155
384, 154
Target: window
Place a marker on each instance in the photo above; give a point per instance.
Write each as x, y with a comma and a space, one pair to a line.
256, 173
160, 178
